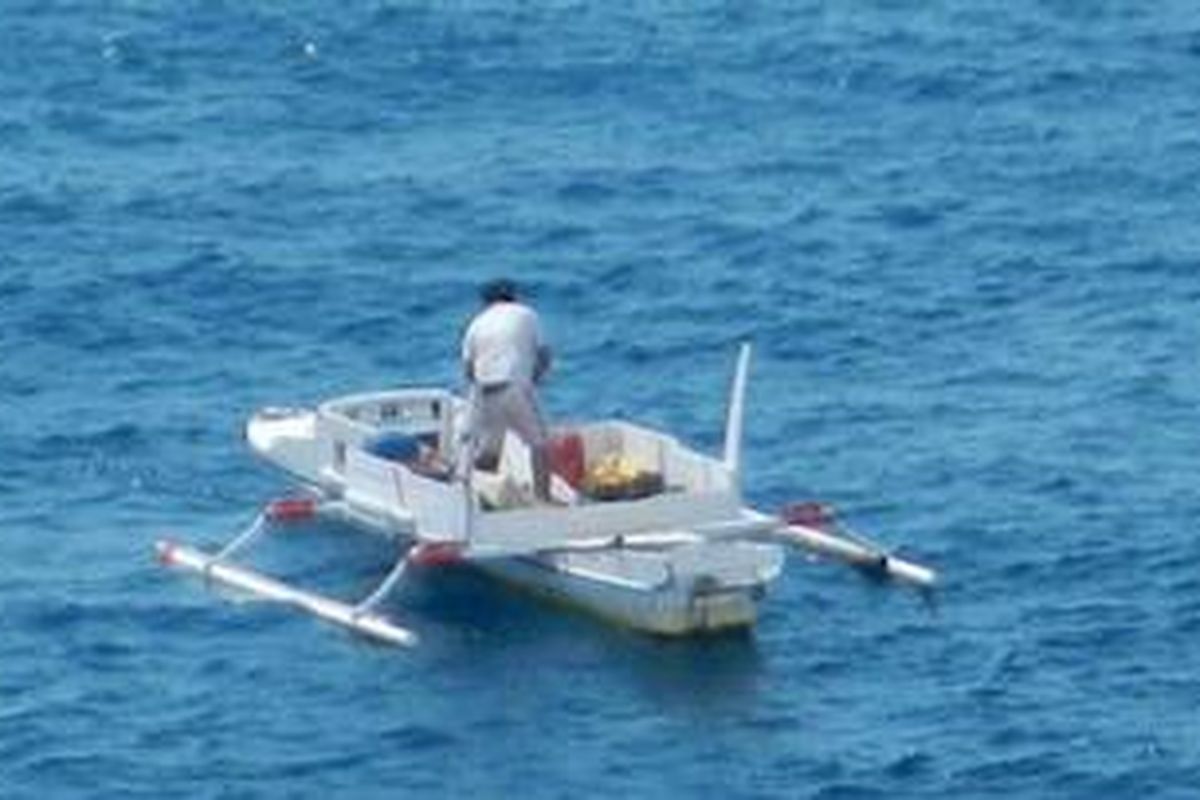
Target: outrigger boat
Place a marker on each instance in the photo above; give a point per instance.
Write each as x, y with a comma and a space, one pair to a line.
643, 530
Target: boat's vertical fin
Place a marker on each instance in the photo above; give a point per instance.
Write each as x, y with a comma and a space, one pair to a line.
737, 413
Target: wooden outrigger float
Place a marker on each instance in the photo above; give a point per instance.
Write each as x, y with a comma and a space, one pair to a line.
643, 530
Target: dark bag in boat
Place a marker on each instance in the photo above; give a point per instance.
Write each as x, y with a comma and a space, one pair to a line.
643, 484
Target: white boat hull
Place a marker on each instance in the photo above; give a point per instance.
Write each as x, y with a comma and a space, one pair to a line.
600, 590
674, 591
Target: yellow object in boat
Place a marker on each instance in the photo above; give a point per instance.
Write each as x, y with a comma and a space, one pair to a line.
617, 478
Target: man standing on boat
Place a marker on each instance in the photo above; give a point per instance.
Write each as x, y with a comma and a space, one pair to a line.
504, 358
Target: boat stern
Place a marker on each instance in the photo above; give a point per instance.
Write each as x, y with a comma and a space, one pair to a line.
718, 586
706, 587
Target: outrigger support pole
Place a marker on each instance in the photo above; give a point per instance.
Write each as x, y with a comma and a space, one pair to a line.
355, 618
359, 618
384, 588
816, 528
857, 554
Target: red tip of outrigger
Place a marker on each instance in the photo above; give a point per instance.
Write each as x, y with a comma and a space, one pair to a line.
164, 551
435, 554
810, 514
291, 509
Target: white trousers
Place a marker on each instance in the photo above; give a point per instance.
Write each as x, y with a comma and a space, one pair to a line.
496, 409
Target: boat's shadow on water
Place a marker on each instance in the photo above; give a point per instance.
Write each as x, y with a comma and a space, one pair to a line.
715, 672
466, 615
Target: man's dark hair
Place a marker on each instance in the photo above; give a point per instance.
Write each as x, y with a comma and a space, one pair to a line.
501, 290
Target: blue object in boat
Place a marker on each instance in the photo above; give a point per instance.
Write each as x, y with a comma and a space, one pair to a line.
394, 447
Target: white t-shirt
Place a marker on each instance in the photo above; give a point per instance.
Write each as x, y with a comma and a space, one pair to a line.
501, 344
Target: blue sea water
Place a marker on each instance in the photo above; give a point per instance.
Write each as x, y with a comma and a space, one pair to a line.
963, 236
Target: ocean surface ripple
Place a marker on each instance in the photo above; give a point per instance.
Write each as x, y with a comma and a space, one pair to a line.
962, 237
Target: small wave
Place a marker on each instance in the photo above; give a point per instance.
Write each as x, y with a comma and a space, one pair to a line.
586, 192
419, 738
909, 216
121, 438
843, 790
911, 765
39, 208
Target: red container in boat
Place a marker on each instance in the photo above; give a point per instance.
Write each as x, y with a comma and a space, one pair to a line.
565, 454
